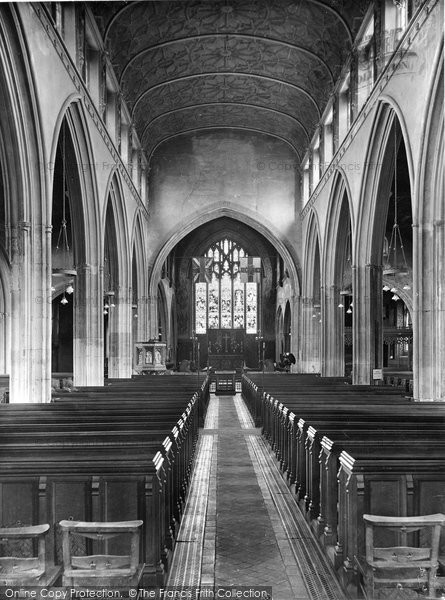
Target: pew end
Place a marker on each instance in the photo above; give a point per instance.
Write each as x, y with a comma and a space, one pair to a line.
18, 569
405, 571
105, 567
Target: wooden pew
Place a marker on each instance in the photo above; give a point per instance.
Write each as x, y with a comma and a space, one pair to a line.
94, 460
310, 429
408, 485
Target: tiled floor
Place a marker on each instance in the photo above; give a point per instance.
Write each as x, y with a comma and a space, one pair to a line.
241, 526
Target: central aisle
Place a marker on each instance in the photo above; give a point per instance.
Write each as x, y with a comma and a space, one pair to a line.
241, 526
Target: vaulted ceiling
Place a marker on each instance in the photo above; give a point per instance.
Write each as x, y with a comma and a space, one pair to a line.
261, 65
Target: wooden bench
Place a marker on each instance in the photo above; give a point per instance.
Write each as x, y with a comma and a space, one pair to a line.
117, 570
95, 460
16, 569
400, 566
349, 451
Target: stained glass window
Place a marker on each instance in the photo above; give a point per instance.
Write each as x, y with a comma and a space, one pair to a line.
201, 307
251, 307
226, 302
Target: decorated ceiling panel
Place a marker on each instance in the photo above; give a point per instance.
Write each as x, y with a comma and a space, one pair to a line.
222, 54
245, 89
268, 65
233, 116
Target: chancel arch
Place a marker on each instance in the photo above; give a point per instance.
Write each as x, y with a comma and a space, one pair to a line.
226, 325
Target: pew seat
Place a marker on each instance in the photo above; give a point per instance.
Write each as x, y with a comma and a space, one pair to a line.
122, 570
16, 568
397, 569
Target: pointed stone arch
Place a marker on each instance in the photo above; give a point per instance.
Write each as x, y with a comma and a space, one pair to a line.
429, 252
312, 298
268, 231
388, 132
117, 282
71, 126
337, 274
27, 233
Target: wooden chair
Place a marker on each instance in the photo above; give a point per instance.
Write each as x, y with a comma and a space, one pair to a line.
101, 569
398, 571
20, 570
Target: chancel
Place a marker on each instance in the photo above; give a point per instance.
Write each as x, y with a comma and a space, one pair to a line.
222, 300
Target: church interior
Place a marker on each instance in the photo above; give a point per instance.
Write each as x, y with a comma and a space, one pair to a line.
222, 297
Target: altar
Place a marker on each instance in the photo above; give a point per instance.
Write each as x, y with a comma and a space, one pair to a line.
226, 349
226, 362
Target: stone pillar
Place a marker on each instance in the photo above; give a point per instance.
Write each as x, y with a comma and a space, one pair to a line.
310, 337
429, 312
120, 349
30, 377
367, 332
153, 317
295, 333
333, 344
88, 335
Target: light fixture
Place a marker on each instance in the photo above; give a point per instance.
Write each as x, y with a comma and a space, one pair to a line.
69, 289
349, 311
392, 265
351, 305
64, 300
105, 311
112, 305
393, 290
395, 297
63, 255
406, 287
341, 305
53, 289
386, 288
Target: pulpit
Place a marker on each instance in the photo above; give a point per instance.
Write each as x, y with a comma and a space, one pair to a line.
149, 357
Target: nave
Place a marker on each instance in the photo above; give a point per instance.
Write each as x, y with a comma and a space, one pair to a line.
241, 526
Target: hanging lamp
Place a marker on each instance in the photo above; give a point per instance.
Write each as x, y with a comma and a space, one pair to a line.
64, 271
395, 266
346, 288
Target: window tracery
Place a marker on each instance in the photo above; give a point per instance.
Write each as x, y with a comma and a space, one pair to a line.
226, 302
